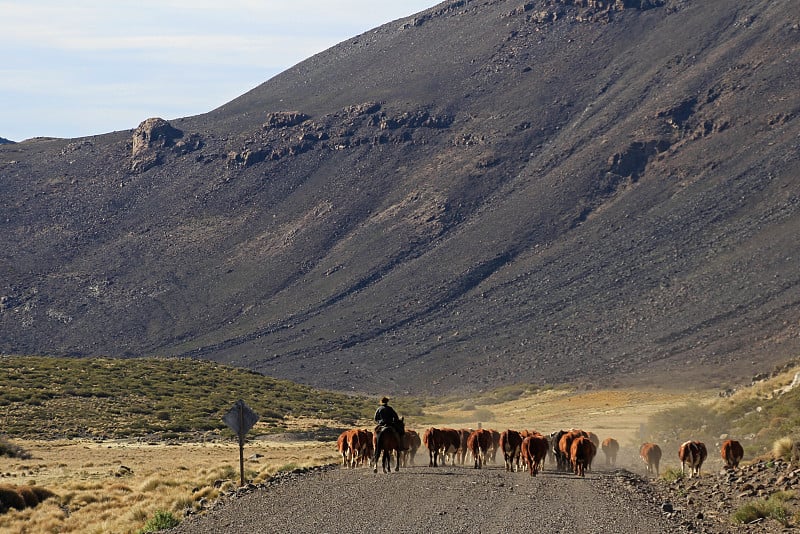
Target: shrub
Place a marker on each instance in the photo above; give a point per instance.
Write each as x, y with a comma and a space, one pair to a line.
672, 474
161, 520
771, 508
782, 448
13, 451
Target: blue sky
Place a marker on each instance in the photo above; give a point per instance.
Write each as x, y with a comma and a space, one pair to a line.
79, 68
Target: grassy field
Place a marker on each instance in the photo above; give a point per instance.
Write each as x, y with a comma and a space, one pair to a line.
145, 449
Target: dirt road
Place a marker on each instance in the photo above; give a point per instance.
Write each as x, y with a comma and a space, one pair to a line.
441, 500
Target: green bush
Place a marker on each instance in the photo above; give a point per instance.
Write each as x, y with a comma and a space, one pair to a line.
672, 474
771, 508
161, 520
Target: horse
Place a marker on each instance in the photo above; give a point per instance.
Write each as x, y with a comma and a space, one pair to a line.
388, 439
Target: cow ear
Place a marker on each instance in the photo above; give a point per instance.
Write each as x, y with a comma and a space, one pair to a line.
403, 419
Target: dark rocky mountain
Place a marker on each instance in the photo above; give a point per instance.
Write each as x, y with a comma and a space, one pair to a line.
4, 141
486, 193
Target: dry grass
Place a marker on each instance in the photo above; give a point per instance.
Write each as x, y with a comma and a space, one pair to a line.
95, 494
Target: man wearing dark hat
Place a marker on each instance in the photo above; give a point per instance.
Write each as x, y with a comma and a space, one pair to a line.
385, 416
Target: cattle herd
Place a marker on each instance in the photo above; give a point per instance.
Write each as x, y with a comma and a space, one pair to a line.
570, 450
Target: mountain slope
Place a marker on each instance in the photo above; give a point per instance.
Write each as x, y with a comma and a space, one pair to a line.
485, 193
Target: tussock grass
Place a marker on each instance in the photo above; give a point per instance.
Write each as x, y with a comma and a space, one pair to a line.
782, 448
770, 508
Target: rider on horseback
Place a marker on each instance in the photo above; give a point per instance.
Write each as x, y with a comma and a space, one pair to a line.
386, 417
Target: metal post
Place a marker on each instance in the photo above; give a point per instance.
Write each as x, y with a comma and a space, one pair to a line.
241, 444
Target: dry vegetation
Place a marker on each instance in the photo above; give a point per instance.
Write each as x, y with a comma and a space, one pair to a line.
117, 485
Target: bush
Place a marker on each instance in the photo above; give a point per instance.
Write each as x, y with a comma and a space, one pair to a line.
782, 448
13, 451
672, 474
161, 520
771, 508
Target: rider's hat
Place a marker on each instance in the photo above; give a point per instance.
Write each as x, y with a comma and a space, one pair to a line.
385, 400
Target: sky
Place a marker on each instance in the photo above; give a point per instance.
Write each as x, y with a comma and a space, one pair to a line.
87, 67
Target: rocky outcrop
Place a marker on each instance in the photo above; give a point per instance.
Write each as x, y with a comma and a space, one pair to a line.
284, 119
4, 141
291, 133
154, 138
544, 11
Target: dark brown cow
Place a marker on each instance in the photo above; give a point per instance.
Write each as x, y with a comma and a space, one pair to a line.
651, 455
431, 439
461, 454
440, 441
594, 439
693, 454
610, 448
452, 444
510, 444
555, 447
582, 451
732, 453
479, 444
534, 451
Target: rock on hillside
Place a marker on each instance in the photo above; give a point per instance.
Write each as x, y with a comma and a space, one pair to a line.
487, 192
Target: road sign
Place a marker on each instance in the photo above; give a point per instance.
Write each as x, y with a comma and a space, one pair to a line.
240, 419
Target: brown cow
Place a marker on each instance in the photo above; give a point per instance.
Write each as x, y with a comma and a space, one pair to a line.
732, 453
369, 447
461, 454
565, 444
594, 439
479, 444
651, 455
534, 451
357, 443
693, 454
610, 448
495, 445
411, 442
582, 451
343, 448
510, 444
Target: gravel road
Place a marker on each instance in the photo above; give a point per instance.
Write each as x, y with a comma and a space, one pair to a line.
440, 500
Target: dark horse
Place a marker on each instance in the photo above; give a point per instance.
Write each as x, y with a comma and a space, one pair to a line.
388, 439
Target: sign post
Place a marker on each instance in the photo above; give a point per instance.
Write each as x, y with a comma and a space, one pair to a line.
240, 418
